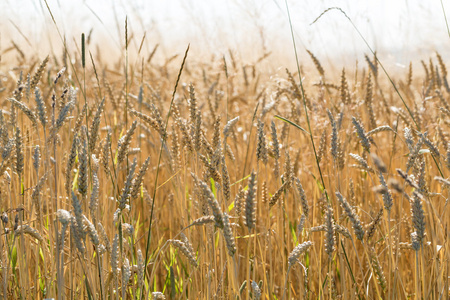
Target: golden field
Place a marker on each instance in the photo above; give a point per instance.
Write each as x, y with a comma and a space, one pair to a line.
199, 178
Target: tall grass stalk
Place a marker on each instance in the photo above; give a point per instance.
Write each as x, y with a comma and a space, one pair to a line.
159, 161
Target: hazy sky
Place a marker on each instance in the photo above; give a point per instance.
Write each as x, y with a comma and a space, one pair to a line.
399, 29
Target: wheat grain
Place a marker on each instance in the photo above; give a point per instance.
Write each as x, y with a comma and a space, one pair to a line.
115, 255
250, 203
83, 172
93, 130
361, 134
276, 196
182, 247
228, 234
28, 112
418, 217
19, 152
25, 229
329, 232
124, 143
261, 150
158, 296
138, 180
377, 269
91, 231
299, 250
38, 74
351, 214
125, 194
373, 225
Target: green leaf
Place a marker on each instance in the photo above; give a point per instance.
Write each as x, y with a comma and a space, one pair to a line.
172, 283
240, 180
41, 282
14, 258
242, 288
319, 184
213, 187
41, 254
75, 181
231, 206
291, 123
216, 240
292, 229
88, 289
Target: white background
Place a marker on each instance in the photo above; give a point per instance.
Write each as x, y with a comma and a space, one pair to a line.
399, 30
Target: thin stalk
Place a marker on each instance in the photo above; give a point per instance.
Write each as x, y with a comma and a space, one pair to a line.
126, 79
285, 283
249, 139
126, 72
5, 270
445, 17
373, 52
416, 277
228, 85
357, 257
422, 273
22, 247
372, 271
248, 266
350, 269
83, 63
304, 100
390, 253
159, 162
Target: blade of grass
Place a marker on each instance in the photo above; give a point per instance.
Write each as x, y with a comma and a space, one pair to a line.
382, 66
249, 139
350, 269
375, 56
304, 100
159, 162
291, 123
445, 17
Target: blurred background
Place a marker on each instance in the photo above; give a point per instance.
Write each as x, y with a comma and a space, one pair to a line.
399, 30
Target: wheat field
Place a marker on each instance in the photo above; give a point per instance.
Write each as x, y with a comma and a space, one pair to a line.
191, 178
